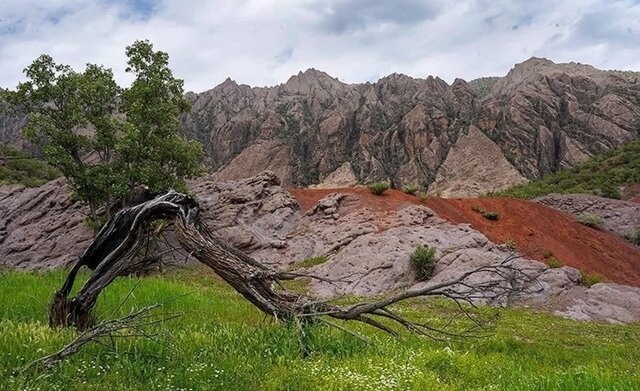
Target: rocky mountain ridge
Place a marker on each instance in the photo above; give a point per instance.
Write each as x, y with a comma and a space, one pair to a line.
459, 139
538, 118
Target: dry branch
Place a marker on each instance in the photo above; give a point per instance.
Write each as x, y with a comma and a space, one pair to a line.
132, 325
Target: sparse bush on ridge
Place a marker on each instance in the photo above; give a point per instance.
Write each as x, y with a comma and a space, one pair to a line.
411, 188
634, 237
422, 195
589, 219
487, 214
554, 262
378, 188
511, 245
423, 260
588, 279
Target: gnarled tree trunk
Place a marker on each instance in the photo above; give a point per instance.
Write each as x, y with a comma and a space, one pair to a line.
113, 251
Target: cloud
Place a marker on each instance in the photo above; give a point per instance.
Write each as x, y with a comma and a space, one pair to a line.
263, 42
342, 16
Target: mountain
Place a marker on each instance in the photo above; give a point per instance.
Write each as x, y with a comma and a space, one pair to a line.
460, 139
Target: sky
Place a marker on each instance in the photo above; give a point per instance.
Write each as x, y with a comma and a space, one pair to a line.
264, 42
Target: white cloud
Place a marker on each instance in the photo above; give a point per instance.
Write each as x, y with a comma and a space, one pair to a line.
263, 42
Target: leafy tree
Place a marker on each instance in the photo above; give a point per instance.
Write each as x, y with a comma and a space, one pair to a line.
104, 139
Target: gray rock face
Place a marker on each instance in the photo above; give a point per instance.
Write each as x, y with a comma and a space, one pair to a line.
366, 251
619, 217
41, 227
538, 118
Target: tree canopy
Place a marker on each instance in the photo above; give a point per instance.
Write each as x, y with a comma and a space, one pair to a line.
106, 140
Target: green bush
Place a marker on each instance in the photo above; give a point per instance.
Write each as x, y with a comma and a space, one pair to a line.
379, 187
588, 279
634, 237
610, 190
554, 262
18, 167
423, 260
589, 219
491, 215
411, 188
423, 196
511, 245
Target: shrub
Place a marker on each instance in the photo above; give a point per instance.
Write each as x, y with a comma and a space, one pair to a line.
379, 187
411, 188
487, 214
423, 260
554, 262
610, 190
423, 196
511, 245
588, 279
491, 215
634, 237
589, 219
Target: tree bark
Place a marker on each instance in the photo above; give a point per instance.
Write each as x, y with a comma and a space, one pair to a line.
113, 251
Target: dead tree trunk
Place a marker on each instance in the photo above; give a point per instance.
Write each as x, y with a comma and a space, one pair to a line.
112, 254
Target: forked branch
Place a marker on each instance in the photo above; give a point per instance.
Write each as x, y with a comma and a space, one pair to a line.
113, 254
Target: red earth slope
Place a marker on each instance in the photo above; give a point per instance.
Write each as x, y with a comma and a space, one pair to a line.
537, 230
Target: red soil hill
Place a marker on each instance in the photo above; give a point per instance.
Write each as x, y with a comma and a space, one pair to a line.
537, 230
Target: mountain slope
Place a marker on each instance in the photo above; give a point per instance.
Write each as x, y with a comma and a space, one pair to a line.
601, 175
537, 119
540, 117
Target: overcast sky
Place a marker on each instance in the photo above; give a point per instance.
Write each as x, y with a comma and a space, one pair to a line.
263, 42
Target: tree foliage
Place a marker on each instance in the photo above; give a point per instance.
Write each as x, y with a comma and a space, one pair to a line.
107, 140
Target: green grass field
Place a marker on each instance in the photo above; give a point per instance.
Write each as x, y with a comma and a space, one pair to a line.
222, 343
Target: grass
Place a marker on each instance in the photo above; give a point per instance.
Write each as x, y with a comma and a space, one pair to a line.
601, 175
18, 168
221, 342
309, 262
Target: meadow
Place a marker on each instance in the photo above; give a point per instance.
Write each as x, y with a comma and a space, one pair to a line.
220, 342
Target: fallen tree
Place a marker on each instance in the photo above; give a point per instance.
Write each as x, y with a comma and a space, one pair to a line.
114, 252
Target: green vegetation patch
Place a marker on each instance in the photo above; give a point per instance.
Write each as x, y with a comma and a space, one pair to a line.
221, 342
378, 188
601, 175
310, 262
589, 219
16, 167
424, 260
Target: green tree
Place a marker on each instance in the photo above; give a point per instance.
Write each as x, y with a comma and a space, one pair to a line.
154, 152
104, 139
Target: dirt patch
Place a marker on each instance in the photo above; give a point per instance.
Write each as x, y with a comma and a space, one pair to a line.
537, 230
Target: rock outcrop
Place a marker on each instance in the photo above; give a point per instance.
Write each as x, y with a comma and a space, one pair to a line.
41, 227
619, 217
364, 250
537, 119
